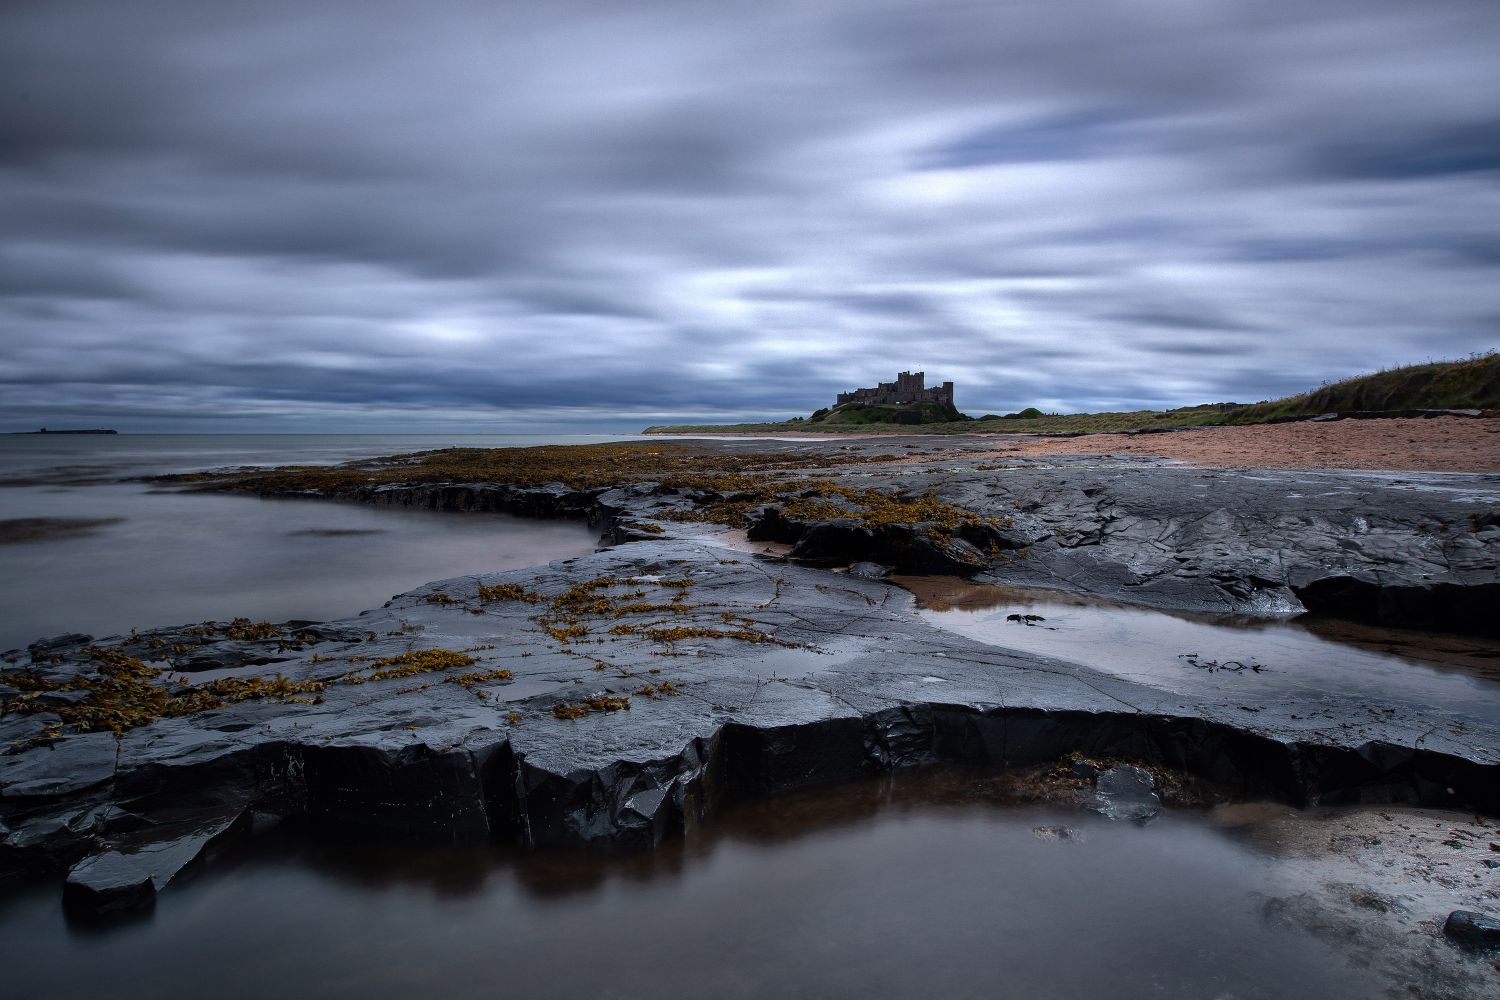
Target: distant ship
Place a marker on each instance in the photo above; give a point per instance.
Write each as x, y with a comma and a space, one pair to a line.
91, 430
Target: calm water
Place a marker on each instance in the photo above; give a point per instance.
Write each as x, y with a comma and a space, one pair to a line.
113, 456
1305, 657
163, 558
920, 886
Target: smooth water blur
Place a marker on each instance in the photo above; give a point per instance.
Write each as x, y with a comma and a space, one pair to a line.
163, 558
1220, 655
26, 458
188, 557
918, 886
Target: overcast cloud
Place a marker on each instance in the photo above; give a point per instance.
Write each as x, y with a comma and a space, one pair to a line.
385, 215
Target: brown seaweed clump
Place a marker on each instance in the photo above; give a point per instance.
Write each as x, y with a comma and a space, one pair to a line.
118, 692
122, 692
598, 703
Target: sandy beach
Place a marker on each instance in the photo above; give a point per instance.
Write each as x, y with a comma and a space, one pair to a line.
1437, 444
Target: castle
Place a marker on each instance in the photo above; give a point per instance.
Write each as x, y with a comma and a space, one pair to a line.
909, 387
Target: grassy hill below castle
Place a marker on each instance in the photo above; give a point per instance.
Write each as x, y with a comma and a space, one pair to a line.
1468, 384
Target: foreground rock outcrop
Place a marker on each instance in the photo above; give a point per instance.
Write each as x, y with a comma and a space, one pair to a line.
613, 699
1415, 551
1410, 550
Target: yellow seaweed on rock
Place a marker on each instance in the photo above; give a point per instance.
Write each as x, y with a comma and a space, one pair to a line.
598, 703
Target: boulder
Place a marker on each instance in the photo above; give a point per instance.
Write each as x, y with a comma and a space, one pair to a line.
129, 877
1125, 793
1473, 930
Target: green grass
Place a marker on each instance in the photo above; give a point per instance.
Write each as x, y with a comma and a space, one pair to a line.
864, 414
1468, 384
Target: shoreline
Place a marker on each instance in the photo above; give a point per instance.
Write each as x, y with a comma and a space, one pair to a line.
1395, 444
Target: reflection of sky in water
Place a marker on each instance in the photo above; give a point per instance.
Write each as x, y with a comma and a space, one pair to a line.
178, 558
1155, 648
924, 886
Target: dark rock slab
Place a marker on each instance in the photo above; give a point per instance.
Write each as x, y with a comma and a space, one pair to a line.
1411, 550
854, 683
1478, 931
64, 767
1408, 549
128, 876
45, 647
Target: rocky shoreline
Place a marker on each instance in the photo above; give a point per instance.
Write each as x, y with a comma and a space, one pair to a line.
614, 700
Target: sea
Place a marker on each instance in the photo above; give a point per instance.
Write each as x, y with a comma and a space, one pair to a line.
143, 555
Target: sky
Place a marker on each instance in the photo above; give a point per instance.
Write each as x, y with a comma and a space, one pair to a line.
381, 215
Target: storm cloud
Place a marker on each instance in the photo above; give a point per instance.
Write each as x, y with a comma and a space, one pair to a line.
481, 216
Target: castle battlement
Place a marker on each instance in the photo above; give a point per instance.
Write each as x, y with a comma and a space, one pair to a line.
909, 387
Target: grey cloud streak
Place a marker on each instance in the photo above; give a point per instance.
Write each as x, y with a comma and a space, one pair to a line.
459, 215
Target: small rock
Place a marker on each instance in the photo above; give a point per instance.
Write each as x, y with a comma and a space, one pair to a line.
1473, 930
54, 643
129, 879
1126, 793
62, 697
1058, 833
869, 571
646, 804
1084, 769
109, 883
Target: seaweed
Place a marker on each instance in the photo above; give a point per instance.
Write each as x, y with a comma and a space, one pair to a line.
598, 703
470, 680
420, 661
120, 692
507, 592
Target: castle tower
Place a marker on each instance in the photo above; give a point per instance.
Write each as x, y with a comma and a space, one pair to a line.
909, 387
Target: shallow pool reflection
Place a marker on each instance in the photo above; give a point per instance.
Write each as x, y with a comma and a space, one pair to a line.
922, 885
1199, 655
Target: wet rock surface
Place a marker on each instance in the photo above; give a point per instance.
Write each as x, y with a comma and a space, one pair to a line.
763, 677
1125, 793
1410, 551
1479, 931
1418, 550
128, 875
614, 699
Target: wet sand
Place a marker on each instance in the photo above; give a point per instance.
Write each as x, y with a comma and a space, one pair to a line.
1436, 444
